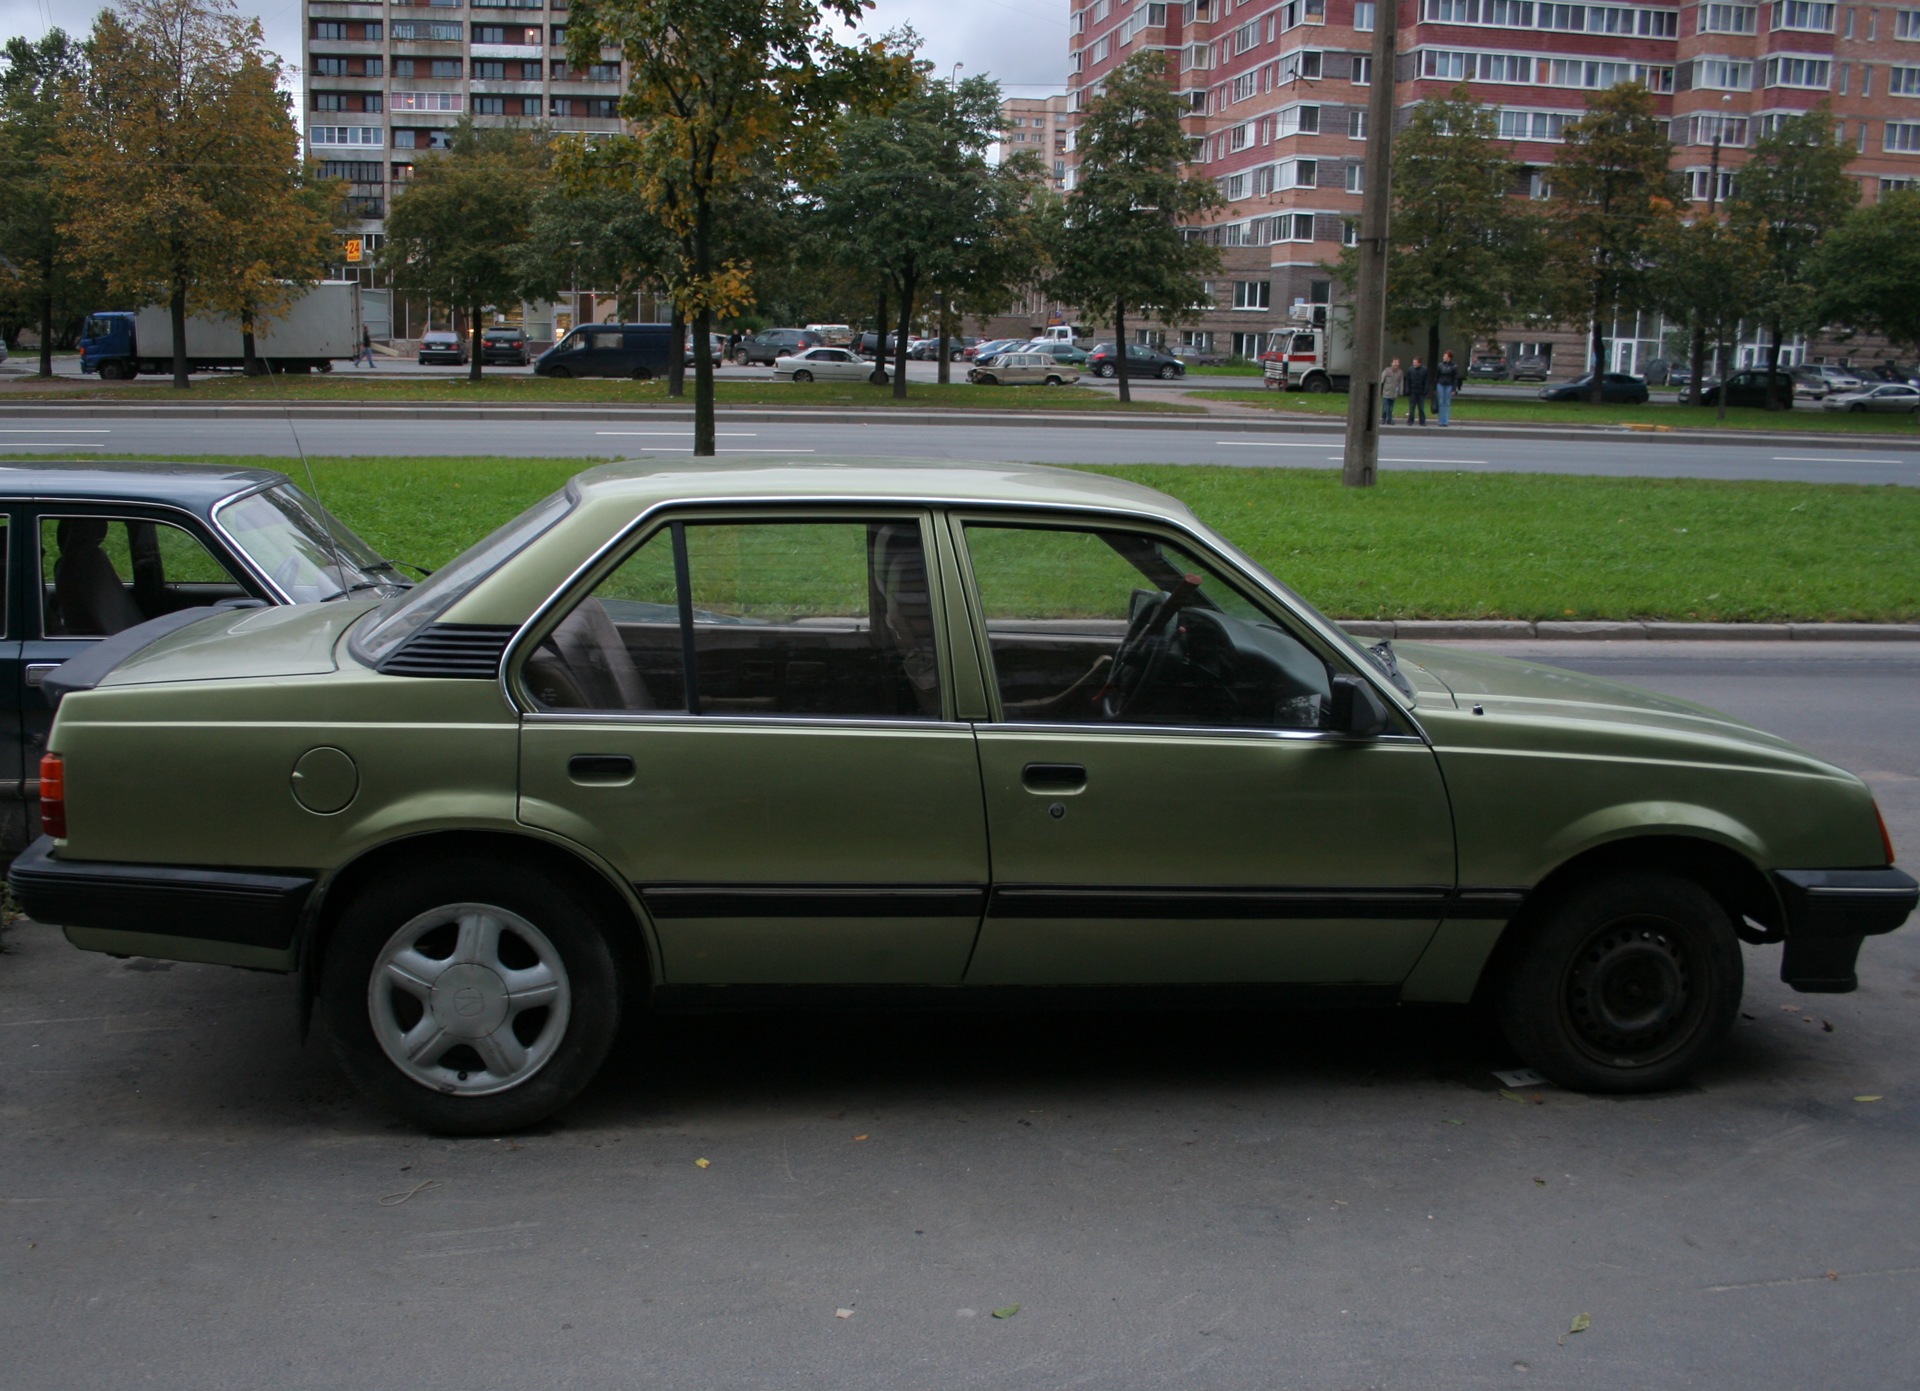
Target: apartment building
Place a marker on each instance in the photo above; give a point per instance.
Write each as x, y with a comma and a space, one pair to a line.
387, 81
1038, 125
1277, 91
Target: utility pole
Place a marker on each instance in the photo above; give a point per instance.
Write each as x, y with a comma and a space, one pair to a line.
1370, 290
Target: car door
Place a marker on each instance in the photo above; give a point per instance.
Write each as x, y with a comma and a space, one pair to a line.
1183, 817
747, 715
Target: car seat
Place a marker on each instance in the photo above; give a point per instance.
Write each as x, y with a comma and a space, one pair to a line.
89, 599
903, 613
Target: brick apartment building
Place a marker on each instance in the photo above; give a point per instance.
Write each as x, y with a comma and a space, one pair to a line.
1038, 125
387, 80
1278, 93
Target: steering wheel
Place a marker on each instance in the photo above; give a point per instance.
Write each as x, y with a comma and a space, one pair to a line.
1136, 662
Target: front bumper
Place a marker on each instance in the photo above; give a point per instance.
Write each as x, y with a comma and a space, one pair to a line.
1829, 913
163, 906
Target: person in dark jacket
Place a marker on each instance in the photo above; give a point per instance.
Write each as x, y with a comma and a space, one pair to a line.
1418, 378
1446, 381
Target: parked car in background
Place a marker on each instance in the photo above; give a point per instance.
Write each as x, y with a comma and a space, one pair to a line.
636, 351
928, 349
864, 344
833, 335
101, 548
1197, 357
1104, 361
716, 344
1064, 353
1022, 369
440, 345
822, 364
3, 352
914, 728
770, 343
1836, 378
1749, 388
1531, 368
1883, 398
1487, 367
508, 345
1679, 374
1891, 372
980, 351
1618, 389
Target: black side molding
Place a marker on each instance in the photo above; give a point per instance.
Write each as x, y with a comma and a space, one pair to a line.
90, 668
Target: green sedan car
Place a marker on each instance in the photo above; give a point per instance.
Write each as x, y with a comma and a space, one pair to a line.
687, 732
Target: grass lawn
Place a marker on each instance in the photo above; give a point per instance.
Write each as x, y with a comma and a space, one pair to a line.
345, 385
1420, 545
1226, 369
1661, 410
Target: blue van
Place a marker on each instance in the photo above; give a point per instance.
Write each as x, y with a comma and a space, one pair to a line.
639, 351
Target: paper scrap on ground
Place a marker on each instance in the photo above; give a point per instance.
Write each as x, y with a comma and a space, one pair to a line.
1520, 1077
843, 1313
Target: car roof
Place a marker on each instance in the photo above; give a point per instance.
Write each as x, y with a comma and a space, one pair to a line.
183, 485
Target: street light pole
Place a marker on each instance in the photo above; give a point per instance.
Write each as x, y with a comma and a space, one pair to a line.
1361, 461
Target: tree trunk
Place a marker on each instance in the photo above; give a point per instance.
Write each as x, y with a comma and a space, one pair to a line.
1120, 347
879, 374
1720, 360
1597, 351
1773, 364
946, 367
177, 309
907, 284
1696, 363
46, 311
249, 352
677, 365
476, 359
703, 426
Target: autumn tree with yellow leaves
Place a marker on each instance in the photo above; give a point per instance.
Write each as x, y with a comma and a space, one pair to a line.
180, 167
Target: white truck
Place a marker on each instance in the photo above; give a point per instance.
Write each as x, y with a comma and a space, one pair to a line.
1319, 357
318, 328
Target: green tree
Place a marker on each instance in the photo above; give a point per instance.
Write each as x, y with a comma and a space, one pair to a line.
459, 229
717, 90
915, 199
1706, 278
1793, 190
1458, 235
1868, 269
176, 142
1122, 246
1613, 201
37, 285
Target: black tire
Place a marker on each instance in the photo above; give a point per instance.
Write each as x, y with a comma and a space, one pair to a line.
640, 374
570, 1038
740, 358
802, 375
1624, 985
559, 374
1055, 381
1105, 369
1169, 372
1318, 386
986, 379
1856, 409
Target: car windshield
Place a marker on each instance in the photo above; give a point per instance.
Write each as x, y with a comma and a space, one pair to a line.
400, 618
306, 551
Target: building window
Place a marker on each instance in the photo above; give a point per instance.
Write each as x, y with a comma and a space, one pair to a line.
403, 67
1253, 294
1306, 173
325, 30
329, 67
1903, 82
1727, 19
1703, 128
329, 101
1302, 229
489, 106
1356, 177
1534, 125
1906, 25
1199, 339
603, 72
1363, 15
1722, 75
1813, 16
1787, 70
1356, 125
445, 68
1309, 118
426, 101
1903, 137
1699, 185
354, 171
344, 135
489, 70
437, 31
1240, 137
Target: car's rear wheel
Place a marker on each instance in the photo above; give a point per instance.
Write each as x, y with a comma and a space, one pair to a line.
1856, 409
802, 375
1055, 381
740, 359
1318, 386
471, 996
1105, 369
1624, 985
640, 374
1169, 372
559, 373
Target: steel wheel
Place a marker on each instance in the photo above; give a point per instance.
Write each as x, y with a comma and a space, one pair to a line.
469, 999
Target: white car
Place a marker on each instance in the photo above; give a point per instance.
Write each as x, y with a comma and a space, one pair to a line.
823, 364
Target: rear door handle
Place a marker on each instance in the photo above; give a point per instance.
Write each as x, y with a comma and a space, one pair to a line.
1052, 779
610, 768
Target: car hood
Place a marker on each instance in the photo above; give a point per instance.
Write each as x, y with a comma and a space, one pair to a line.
1501, 685
240, 644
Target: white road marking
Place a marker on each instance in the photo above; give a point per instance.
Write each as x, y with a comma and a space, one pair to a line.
47, 444
718, 434
55, 432
1385, 460
1833, 459
688, 449
1268, 444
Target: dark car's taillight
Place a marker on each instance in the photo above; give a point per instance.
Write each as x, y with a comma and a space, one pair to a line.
53, 796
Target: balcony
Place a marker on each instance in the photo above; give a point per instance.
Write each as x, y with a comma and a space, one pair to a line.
509, 50
344, 9
506, 88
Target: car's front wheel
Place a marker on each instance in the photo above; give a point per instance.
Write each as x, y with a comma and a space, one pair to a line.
1104, 369
559, 373
1624, 985
471, 996
802, 375
1169, 372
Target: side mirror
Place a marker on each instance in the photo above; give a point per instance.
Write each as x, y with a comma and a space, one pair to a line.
1356, 709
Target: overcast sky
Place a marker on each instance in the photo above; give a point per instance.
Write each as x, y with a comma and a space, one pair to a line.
1022, 43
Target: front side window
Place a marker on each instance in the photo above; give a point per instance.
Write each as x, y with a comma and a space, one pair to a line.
100, 575
829, 619
1112, 627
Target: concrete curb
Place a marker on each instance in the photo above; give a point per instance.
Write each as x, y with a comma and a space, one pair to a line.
1054, 420
1423, 629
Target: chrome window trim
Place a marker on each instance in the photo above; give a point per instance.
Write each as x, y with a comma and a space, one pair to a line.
236, 549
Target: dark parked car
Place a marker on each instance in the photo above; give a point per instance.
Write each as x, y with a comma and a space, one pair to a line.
1749, 388
1890, 372
442, 346
100, 548
770, 343
1488, 367
716, 344
1104, 361
1619, 389
1531, 368
928, 349
638, 351
504, 345
863, 344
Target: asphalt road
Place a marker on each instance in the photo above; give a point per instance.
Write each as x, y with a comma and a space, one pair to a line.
188, 1198
1613, 453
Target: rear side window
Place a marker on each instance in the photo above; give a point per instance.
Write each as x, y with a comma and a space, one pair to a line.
101, 575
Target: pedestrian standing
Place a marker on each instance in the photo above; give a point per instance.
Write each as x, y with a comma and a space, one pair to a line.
1392, 382
1446, 381
366, 348
1417, 376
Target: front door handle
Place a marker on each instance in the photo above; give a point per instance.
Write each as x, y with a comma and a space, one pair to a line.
37, 672
1053, 779
600, 768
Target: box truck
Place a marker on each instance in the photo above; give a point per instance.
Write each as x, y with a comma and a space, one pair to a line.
318, 328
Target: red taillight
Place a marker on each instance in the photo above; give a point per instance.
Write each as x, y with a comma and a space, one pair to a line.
53, 796
1886, 841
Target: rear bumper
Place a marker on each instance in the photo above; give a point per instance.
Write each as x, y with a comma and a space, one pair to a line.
1829, 913
238, 908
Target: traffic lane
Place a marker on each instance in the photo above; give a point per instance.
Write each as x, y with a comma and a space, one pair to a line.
1286, 446
1227, 1198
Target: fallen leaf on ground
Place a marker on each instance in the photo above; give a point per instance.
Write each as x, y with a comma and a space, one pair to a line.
1007, 1312
1581, 1323
843, 1313
1833, 1275
701, 1163
1451, 1121
1537, 1179
859, 1137
1825, 1027
1869, 1098
1508, 1094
